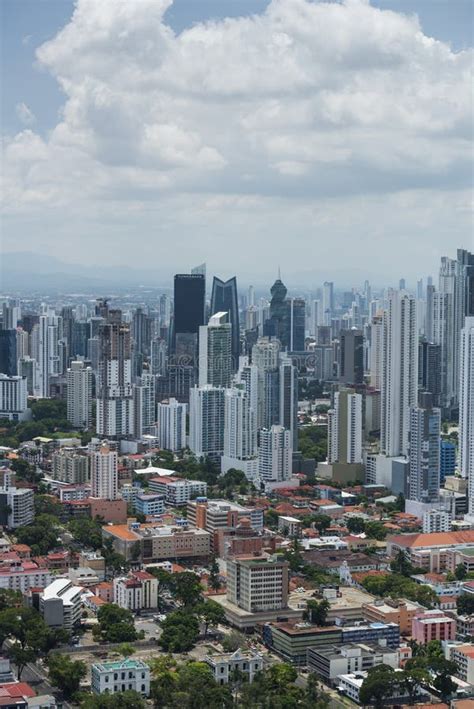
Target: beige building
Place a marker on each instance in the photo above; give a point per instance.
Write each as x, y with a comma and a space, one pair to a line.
257, 583
388, 611
157, 543
70, 466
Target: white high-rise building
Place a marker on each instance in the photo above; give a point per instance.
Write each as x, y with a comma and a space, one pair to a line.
399, 372
104, 473
275, 454
144, 415
159, 353
376, 352
316, 318
28, 368
206, 422
172, 425
215, 352
45, 349
345, 428
240, 430
11, 315
466, 408
79, 394
22, 344
248, 376
14, 398
328, 301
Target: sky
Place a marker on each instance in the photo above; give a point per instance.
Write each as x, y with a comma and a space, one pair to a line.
333, 139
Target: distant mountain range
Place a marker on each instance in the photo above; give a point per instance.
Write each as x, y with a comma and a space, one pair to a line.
28, 271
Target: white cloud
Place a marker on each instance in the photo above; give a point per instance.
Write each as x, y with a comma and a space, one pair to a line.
306, 102
25, 114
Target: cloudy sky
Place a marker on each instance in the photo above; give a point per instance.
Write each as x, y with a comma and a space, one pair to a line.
331, 138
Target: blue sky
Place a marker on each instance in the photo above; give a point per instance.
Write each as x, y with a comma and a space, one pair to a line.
284, 131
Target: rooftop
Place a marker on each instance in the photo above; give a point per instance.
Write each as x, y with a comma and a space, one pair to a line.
434, 539
113, 665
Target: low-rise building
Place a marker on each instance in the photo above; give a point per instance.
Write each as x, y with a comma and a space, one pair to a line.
16, 505
120, 676
23, 575
177, 491
152, 504
333, 661
400, 612
433, 625
156, 543
137, 591
94, 560
290, 526
460, 555
293, 640
224, 665
463, 656
60, 604
429, 551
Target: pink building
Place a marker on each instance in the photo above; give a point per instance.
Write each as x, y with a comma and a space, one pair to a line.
432, 625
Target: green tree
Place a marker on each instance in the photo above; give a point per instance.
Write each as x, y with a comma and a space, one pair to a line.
10, 599
315, 697
66, 674
375, 530
355, 525
233, 641
21, 657
180, 630
187, 588
379, 684
400, 564
321, 522
465, 604
316, 611
460, 572
25, 471
413, 679
165, 583
115, 624
165, 681
87, 532
211, 614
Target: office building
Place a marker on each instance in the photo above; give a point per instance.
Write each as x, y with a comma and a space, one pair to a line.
276, 326
328, 302
345, 428
104, 473
215, 352
466, 408
423, 451
144, 410
351, 357
177, 491
206, 422
120, 676
11, 315
447, 459
16, 505
257, 584
14, 398
158, 543
149, 504
189, 297
288, 404
296, 324
61, 604
213, 515
70, 466
141, 332
275, 454
114, 381
8, 353
27, 368
436, 520
224, 299
45, 349
429, 370
399, 372
432, 625
172, 425
159, 356
332, 661
79, 395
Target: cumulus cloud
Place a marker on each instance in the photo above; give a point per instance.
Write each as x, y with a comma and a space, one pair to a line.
25, 114
307, 102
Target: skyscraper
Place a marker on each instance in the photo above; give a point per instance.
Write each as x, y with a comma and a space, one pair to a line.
345, 428
288, 408
104, 473
189, 295
159, 355
399, 372
424, 451
351, 368
144, 413
376, 352
46, 336
276, 326
429, 370
206, 422
466, 408
265, 356
79, 394
296, 324
275, 454
215, 351
114, 381
8, 352
224, 299
172, 425
240, 433
328, 301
